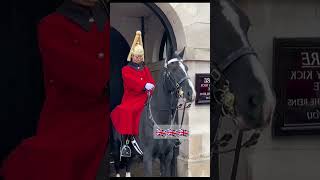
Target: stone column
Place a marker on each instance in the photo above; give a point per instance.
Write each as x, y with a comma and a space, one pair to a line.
194, 156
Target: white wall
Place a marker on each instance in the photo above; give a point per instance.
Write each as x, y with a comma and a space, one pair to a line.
293, 158
195, 20
154, 31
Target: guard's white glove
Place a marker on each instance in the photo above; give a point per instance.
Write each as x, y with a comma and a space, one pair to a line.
149, 86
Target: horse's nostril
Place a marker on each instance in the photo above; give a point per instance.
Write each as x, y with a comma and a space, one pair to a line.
190, 95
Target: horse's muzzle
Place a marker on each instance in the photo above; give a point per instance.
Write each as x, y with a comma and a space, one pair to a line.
190, 96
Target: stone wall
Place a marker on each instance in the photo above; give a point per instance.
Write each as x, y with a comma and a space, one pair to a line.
194, 159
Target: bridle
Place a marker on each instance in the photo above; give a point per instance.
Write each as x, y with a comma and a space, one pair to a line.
224, 106
176, 85
176, 92
177, 88
234, 56
224, 99
222, 94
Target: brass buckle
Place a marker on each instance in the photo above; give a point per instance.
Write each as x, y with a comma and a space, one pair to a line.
215, 74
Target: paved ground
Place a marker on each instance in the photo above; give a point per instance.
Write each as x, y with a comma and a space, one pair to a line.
136, 168
106, 168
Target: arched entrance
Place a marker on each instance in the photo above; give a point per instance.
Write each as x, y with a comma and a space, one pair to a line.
158, 33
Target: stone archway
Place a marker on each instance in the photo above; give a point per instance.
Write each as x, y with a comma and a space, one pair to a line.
173, 23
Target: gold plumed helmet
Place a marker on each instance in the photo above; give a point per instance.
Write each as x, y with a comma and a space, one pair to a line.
137, 46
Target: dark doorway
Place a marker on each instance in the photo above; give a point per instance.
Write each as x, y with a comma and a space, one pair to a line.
23, 94
119, 50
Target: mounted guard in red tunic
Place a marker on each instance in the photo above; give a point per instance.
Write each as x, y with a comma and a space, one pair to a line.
137, 81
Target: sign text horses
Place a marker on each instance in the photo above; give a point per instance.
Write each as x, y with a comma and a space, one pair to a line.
202, 89
297, 83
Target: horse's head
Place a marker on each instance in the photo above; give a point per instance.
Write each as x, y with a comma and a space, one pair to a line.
177, 79
254, 99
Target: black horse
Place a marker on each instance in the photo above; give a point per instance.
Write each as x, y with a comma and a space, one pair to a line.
173, 83
239, 64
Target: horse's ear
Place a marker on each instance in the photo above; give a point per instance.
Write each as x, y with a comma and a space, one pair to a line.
182, 53
179, 55
165, 63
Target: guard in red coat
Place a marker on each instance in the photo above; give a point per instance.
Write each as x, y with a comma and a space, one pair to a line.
73, 129
137, 81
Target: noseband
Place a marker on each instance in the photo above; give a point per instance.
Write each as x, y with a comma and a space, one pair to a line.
221, 86
235, 56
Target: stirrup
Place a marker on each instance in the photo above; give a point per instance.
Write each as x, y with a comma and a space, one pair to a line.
136, 146
125, 150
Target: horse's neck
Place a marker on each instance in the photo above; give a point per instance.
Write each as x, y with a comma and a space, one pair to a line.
160, 96
161, 102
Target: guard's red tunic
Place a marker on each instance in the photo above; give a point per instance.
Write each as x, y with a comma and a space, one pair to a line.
126, 116
73, 129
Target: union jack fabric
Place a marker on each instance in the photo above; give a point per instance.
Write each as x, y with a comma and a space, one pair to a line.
170, 132
160, 132
183, 132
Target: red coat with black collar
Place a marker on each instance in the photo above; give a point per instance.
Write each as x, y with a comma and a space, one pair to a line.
73, 129
126, 116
